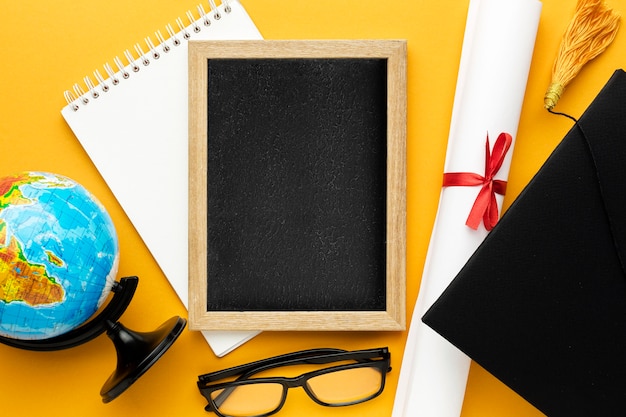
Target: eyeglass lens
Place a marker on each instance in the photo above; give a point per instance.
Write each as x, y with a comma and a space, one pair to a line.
249, 400
347, 386
342, 387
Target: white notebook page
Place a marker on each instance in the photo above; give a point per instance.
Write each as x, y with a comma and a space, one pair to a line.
136, 135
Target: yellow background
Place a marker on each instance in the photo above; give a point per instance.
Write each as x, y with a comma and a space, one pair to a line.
48, 46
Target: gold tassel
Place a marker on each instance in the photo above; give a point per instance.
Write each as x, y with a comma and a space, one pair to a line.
590, 32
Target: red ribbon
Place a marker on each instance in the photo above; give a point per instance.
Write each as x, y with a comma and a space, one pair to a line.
485, 207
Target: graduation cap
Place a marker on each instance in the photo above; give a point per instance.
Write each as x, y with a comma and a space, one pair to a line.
541, 304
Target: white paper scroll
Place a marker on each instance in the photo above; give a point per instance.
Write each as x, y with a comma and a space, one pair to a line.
495, 60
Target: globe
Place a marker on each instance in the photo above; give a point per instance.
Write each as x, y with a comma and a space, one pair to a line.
59, 255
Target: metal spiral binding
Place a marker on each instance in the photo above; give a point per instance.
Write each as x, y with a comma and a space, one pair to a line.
79, 97
121, 68
166, 47
112, 77
205, 18
155, 54
101, 83
91, 87
131, 60
144, 59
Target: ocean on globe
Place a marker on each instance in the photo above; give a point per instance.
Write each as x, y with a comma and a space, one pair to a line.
58, 255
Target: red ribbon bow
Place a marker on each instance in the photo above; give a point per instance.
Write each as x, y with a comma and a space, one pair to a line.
485, 207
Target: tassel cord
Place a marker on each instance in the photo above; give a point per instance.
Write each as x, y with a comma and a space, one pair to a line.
592, 29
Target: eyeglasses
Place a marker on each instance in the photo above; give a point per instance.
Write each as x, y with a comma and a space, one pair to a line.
360, 377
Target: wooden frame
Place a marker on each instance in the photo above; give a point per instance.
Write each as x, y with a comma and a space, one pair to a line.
393, 316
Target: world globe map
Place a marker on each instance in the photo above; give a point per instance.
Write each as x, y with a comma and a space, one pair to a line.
59, 255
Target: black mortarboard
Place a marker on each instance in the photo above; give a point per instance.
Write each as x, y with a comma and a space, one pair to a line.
541, 304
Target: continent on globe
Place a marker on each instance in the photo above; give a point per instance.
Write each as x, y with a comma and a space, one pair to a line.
58, 255
26, 281
10, 193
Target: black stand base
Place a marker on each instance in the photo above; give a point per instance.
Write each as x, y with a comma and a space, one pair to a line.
136, 351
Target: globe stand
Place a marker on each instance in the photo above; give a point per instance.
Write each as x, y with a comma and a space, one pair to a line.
136, 351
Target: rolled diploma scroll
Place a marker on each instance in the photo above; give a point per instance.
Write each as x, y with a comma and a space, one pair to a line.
495, 60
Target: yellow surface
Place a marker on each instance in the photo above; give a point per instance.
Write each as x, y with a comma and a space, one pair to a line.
48, 46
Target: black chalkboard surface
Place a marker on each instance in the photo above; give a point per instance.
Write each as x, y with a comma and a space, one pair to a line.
294, 184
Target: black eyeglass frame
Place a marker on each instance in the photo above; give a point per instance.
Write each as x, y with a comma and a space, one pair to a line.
363, 358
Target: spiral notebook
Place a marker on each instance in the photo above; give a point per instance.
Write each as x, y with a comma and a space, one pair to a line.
132, 122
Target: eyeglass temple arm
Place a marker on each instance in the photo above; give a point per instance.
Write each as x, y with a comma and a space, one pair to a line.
313, 356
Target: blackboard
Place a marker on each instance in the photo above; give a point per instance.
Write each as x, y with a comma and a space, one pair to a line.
297, 185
